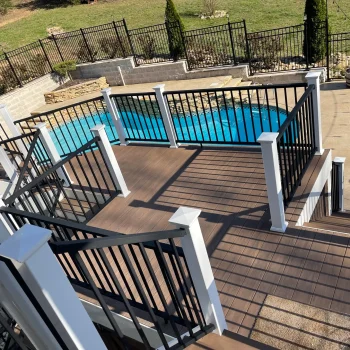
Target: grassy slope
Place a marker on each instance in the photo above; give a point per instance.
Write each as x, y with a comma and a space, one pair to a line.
259, 14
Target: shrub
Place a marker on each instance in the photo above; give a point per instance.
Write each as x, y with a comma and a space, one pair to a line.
174, 31
64, 68
148, 46
209, 7
315, 45
113, 48
39, 65
4, 6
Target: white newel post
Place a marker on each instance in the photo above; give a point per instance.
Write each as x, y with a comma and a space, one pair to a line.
6, 229
339, 162
273, 180
33, 258
166, 115
313, 78
52, 152
113, 111
111, 161
199, 265
8, 166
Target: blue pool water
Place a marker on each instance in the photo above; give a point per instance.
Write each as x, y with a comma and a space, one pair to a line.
225, 125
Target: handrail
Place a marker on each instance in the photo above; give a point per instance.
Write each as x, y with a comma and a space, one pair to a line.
50, 171
17, 137
105, 242
294, 112
238, 88
151, 93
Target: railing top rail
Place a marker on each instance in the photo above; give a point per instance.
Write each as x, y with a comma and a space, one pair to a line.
213, 27
148, 93
147, 27
242, 88
43, 176
294, 112
274, 29
58, 109
105, 242
17, 138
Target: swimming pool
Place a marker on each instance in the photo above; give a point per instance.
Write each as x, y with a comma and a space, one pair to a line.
231, 125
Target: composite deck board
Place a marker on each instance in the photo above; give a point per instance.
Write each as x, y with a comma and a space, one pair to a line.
249, 261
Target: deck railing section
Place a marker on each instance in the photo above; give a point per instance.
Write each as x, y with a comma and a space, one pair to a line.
233, 115
146, 275
296, 144
70, 126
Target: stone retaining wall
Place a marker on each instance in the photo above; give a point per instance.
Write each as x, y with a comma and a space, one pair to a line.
76, 91
124, 72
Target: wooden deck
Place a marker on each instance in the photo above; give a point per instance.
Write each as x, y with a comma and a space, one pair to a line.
249, 261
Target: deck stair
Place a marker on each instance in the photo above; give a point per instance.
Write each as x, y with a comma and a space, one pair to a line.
338, 222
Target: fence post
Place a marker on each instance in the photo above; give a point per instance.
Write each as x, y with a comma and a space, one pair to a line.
45, 53
57, 47
53, 153
247, 46
269, 151
165, 113
313, 78
87, 45
42, 274
130, 42
13, 70
199, 266
339, 162
110, 159
327, 50
232, 43
113, 111
118, 37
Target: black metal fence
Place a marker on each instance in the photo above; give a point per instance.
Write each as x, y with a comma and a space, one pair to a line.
76, 188
280, 49
141, 117
335, 187
69, 127
149, 279
296, 144
231, 115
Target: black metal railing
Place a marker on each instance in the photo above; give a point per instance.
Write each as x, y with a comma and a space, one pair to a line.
335, 187
296, 144
339, 47
76, 188
216, 46
141, 117
231, 115
147, 275
70, 126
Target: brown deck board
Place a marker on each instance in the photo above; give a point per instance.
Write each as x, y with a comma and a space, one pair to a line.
249, 261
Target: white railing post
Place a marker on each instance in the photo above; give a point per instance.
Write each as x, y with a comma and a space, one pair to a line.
199, 265
6, 116
273, 180
113, 111
40, 270
8, 166
111, 161
313, 78
52, 152
166, 115
339, 162
6, 229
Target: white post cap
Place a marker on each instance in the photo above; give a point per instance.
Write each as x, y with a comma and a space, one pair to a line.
185, 216
267, 137
339, 160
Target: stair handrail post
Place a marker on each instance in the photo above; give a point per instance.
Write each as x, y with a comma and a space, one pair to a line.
268, 142
313, 78
41, 272
110, 159
199, 266
53, 153
165, 114
6, 228
115, 115
9, 121
8, 166
340, 163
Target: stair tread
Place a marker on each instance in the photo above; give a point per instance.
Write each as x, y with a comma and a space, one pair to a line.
336, 223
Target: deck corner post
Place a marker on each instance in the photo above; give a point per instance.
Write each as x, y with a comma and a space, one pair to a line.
113, 111
199, 266
110, 159
268, 142
340, 162
52, 152
313, 78
41, 272
165, 114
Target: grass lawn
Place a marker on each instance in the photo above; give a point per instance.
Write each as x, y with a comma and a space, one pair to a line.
259, 14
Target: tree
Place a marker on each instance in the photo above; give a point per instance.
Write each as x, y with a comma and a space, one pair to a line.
315, 42
174, 27
4, 6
